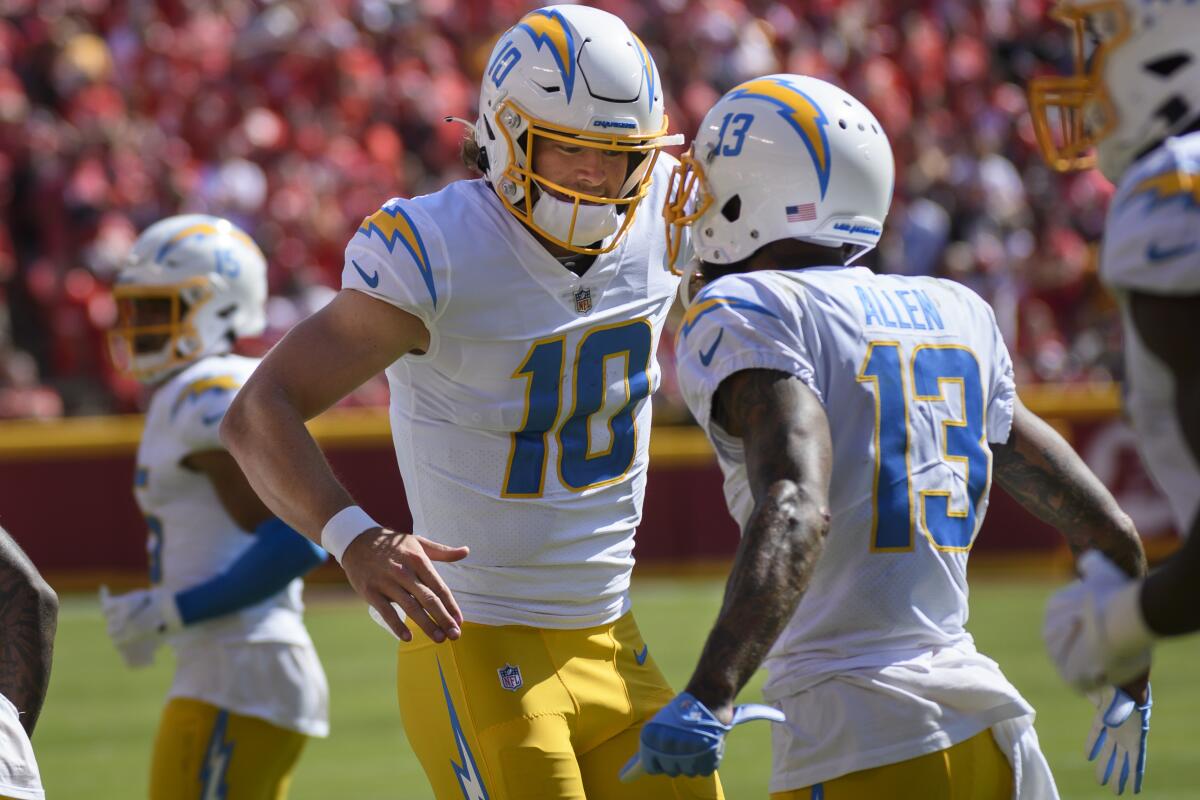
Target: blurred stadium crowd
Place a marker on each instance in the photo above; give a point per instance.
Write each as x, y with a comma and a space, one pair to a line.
297, 118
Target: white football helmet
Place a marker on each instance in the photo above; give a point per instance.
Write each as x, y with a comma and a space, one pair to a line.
191, 285
782, 157
1136, 81
576, 75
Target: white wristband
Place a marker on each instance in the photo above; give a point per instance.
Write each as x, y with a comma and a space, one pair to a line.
343, 528
1124, 628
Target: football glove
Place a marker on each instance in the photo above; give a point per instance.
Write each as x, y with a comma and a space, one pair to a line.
1094, 629
138, 621
1117, 742
685, 738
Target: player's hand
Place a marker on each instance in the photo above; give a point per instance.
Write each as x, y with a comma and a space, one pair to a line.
685, 738
386, 567
138, 621
1094, 631
1117, 742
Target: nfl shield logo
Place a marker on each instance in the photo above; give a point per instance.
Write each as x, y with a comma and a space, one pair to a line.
510, 677
583, 300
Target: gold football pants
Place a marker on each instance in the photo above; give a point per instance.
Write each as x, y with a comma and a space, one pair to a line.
520, 713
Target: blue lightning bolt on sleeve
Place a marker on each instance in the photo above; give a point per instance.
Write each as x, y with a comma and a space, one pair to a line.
277, 555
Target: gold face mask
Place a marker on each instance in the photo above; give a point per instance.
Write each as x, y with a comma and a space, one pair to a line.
1072, 113
154, 333
686, 188
520, 174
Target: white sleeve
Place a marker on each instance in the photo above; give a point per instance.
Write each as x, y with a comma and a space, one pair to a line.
198, 409
393, 257
735, 324
1000, 384
1152, 235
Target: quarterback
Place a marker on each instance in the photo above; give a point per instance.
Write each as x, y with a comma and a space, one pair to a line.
224, 572
1133, 109
517, 318
858, 419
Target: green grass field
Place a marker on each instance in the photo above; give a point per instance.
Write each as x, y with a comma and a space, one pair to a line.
95, 734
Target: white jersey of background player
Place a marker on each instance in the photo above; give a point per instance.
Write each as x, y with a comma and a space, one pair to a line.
224, 573
895, 397
517, 318
1135, 100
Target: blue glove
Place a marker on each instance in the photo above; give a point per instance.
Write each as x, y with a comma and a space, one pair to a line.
1117, 742
685, 738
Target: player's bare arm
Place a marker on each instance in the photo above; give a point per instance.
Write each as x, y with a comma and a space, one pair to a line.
28, 619
234, 492
1046, 476
320, 361
788, 455
1167, 325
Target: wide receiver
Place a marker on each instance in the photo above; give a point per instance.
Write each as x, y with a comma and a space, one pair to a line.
517, 318
225, 572
858, 419
1133, 110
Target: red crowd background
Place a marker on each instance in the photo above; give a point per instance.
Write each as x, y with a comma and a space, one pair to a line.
297, 118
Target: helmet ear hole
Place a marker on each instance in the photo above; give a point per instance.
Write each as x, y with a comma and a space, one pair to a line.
1163, 67
732, 209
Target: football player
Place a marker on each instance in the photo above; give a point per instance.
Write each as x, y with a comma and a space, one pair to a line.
1132, 108
858, 419
224, 571
517, 318
29, 608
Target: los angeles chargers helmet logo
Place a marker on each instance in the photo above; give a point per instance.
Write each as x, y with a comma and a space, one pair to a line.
801, 112
549, 28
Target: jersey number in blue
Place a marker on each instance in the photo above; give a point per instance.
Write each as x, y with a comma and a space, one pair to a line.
578, 466
736, 126
154, 543
933, 368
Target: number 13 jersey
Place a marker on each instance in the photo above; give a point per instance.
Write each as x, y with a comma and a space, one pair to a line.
524, 431
915, 380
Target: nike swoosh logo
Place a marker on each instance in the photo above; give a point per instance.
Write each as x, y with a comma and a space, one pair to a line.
211, 419
1154, 253
371, 280
641, 657
706, 358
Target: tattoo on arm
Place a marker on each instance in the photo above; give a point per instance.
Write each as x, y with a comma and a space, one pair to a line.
28, 618
1041, 471
788, 456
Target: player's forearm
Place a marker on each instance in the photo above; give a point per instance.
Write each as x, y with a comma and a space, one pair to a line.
1171, 593
1041, 471
281, 460
779, 549
28, 618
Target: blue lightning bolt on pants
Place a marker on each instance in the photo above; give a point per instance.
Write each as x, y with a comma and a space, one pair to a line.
517, 712
203, 752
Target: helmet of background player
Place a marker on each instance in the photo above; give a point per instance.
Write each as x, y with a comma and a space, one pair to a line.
1135, 82
191, 285
578, 76
782, 157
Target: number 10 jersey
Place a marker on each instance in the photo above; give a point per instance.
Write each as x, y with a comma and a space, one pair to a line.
524, 431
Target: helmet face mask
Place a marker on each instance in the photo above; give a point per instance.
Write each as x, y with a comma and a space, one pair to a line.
191, 286
1135, 82
570, 75
687, 200
1073, 113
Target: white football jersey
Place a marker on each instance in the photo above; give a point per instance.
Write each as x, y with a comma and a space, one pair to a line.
523, 432
1152, 245
915, 380
192, 539
19, 776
